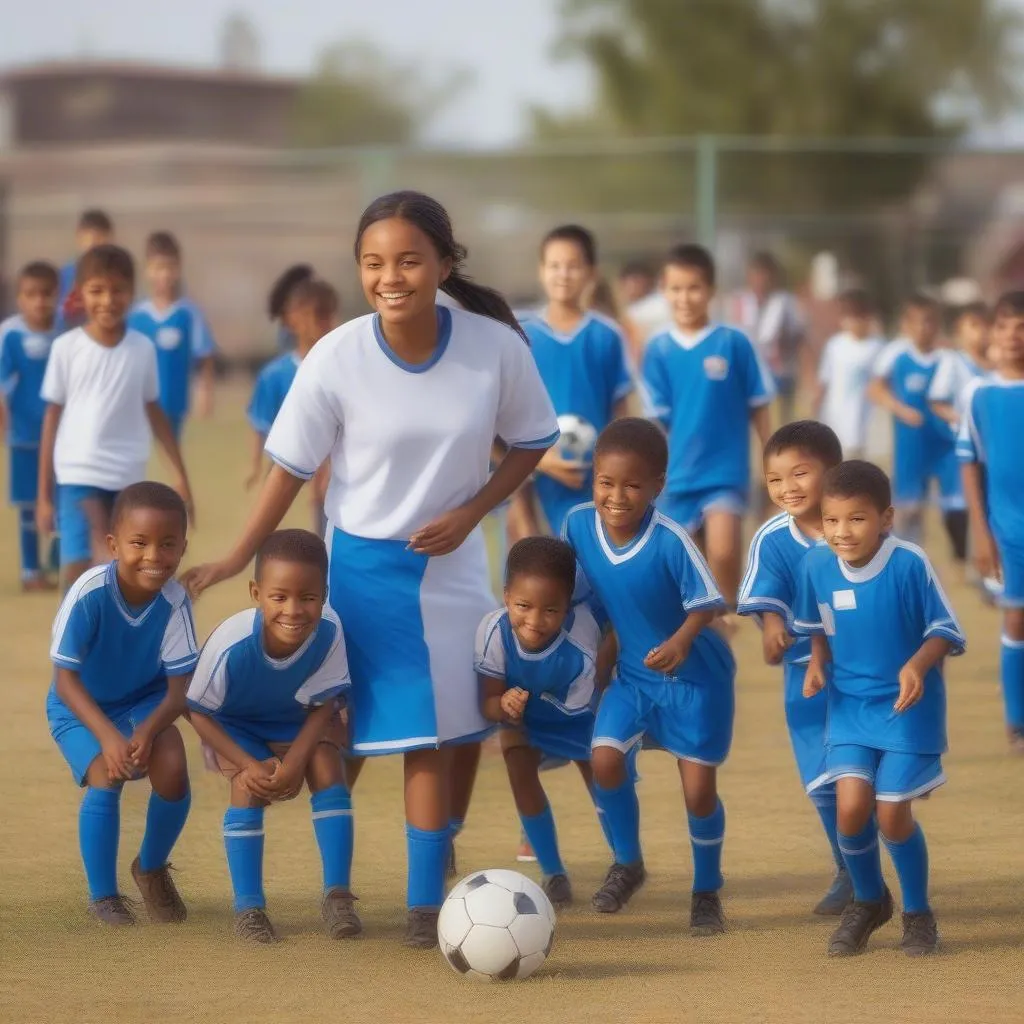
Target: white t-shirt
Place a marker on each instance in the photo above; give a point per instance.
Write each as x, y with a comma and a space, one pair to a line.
845, 370
407, 443
104, 438
650, 315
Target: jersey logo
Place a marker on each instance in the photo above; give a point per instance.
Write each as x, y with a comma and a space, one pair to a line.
35, 346
844, 600
168, 338
716, 368
916, 383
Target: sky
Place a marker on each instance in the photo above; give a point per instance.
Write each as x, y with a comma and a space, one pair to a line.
508, 51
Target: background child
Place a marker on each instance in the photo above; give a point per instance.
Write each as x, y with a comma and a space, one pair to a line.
958, 367
25, 341
101, 390
796, 460
881, 626
706, 384
277, 302
124, 645
94, 228
264, 698
675, 676
178, 329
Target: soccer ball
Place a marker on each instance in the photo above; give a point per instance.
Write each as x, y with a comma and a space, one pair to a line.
577, 439
496, 925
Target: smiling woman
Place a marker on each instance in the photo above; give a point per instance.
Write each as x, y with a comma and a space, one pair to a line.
405, 403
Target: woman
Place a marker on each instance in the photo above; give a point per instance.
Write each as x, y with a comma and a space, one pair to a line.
405, 403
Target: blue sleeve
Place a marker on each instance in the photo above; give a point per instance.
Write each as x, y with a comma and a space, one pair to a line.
757, 379
203, 345
8, 368
74, 633
655, 384
697, 586
807, 613
939, 618
768, 584
261, 411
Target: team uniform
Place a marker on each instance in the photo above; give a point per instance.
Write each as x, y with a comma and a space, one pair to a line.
182, 338
953, 378
845, 372
586, 373
272, 384
702, 388
104, 439
23, 358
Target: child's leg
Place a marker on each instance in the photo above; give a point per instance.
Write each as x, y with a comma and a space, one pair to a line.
955, 522
722, 545
588, 778
99, 829
465, 762
168, 803
905, 842
332, 814
75, 533
427, 792
97, 512
523, 765
858, 838
615, 796
706, 819
824, 800
243, 844
1012, 671
28, 543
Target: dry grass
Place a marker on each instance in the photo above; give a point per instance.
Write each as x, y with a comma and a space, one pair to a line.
639, 965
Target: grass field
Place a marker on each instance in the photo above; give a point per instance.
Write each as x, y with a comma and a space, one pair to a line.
639, 965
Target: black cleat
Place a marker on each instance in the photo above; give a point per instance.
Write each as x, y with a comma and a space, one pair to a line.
706, 917
920, 934
859, 920
620, 884
558, 890
840, 892
421, 929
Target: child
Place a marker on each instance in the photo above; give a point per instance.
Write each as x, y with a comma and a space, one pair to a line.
845, 372
264, 698
178, 329
706, 384
101, 389
537, 661
993, 475
94, 228
581, 356
25, 341
880, 627
922, 445
959, 367
796, 459
675, 676
124, 645
277, 302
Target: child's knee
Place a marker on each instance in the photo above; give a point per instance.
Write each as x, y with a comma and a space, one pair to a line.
895, 820
96, 776
241, 797
700, 788
1013, 623
325, 767
609, 767
168, 764
855, 803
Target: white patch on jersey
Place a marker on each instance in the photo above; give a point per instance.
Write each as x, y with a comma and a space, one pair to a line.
35, 346
716, 368
844, 600
916, 383
828, 620
168, 338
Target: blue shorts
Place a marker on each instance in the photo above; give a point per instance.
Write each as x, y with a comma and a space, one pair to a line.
894, 776
692, 722
78, 745
24, 476
73, 523
915, 466
564, 741
690, 509
1011, 557
807, 720
255, 738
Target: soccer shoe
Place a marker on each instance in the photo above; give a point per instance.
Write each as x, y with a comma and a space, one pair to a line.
621, 883
254, 926
339, 914
859, 920
840, 892
1016, 738
920, 934
114, 910
558, 890
421, 929
525, 854
164, 904
706, 917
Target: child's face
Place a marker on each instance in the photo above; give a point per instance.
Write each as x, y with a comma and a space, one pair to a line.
88, 238
37, 303
921, 326
106, 300
794, 479
972, 333
854, 527
689, 296
634, 287
304, 323
148, 544
291, 597
537, 607
857, 324
163, 275
624, 488
1008, 342
565, 273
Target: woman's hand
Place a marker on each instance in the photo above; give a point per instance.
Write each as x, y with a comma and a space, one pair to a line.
445, 533
201, 577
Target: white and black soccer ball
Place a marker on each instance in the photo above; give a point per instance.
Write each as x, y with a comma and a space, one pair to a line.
577, 439
496, 925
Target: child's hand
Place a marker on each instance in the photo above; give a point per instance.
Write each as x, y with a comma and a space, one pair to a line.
668, 656
45, 517
140, 747
775, 640
911, 416
117, 757
568, 473
513, 703
814, 679
986, 554
286, 780
258, 778
911, 687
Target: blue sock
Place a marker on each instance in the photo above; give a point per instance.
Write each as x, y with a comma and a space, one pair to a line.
29, 543
864, 862
164, 821
824, 801
53, 561
911, 860
1012, 666
428, 861
540, 831
332, 825
243, 843
621, 811
99, 828
706, 838
455, 827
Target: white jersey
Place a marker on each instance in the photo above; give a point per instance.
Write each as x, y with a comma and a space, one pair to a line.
953, 378
845, 372
104, 438
409, 442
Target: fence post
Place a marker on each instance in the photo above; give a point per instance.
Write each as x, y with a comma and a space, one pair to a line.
706, 199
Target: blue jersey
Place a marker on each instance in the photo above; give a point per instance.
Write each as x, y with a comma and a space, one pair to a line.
990, 433
703, 387
120, 653
875, 618
23, 357
237, 681
773, 574
272, 384
647, 589
182, 337
909, 373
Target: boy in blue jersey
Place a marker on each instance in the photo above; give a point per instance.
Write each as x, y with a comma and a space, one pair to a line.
674, 675
179, 331
581, 356
264, 697
993, 476
705, 383
94, 228
25, 341
796, 459
880, 627
123, 648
